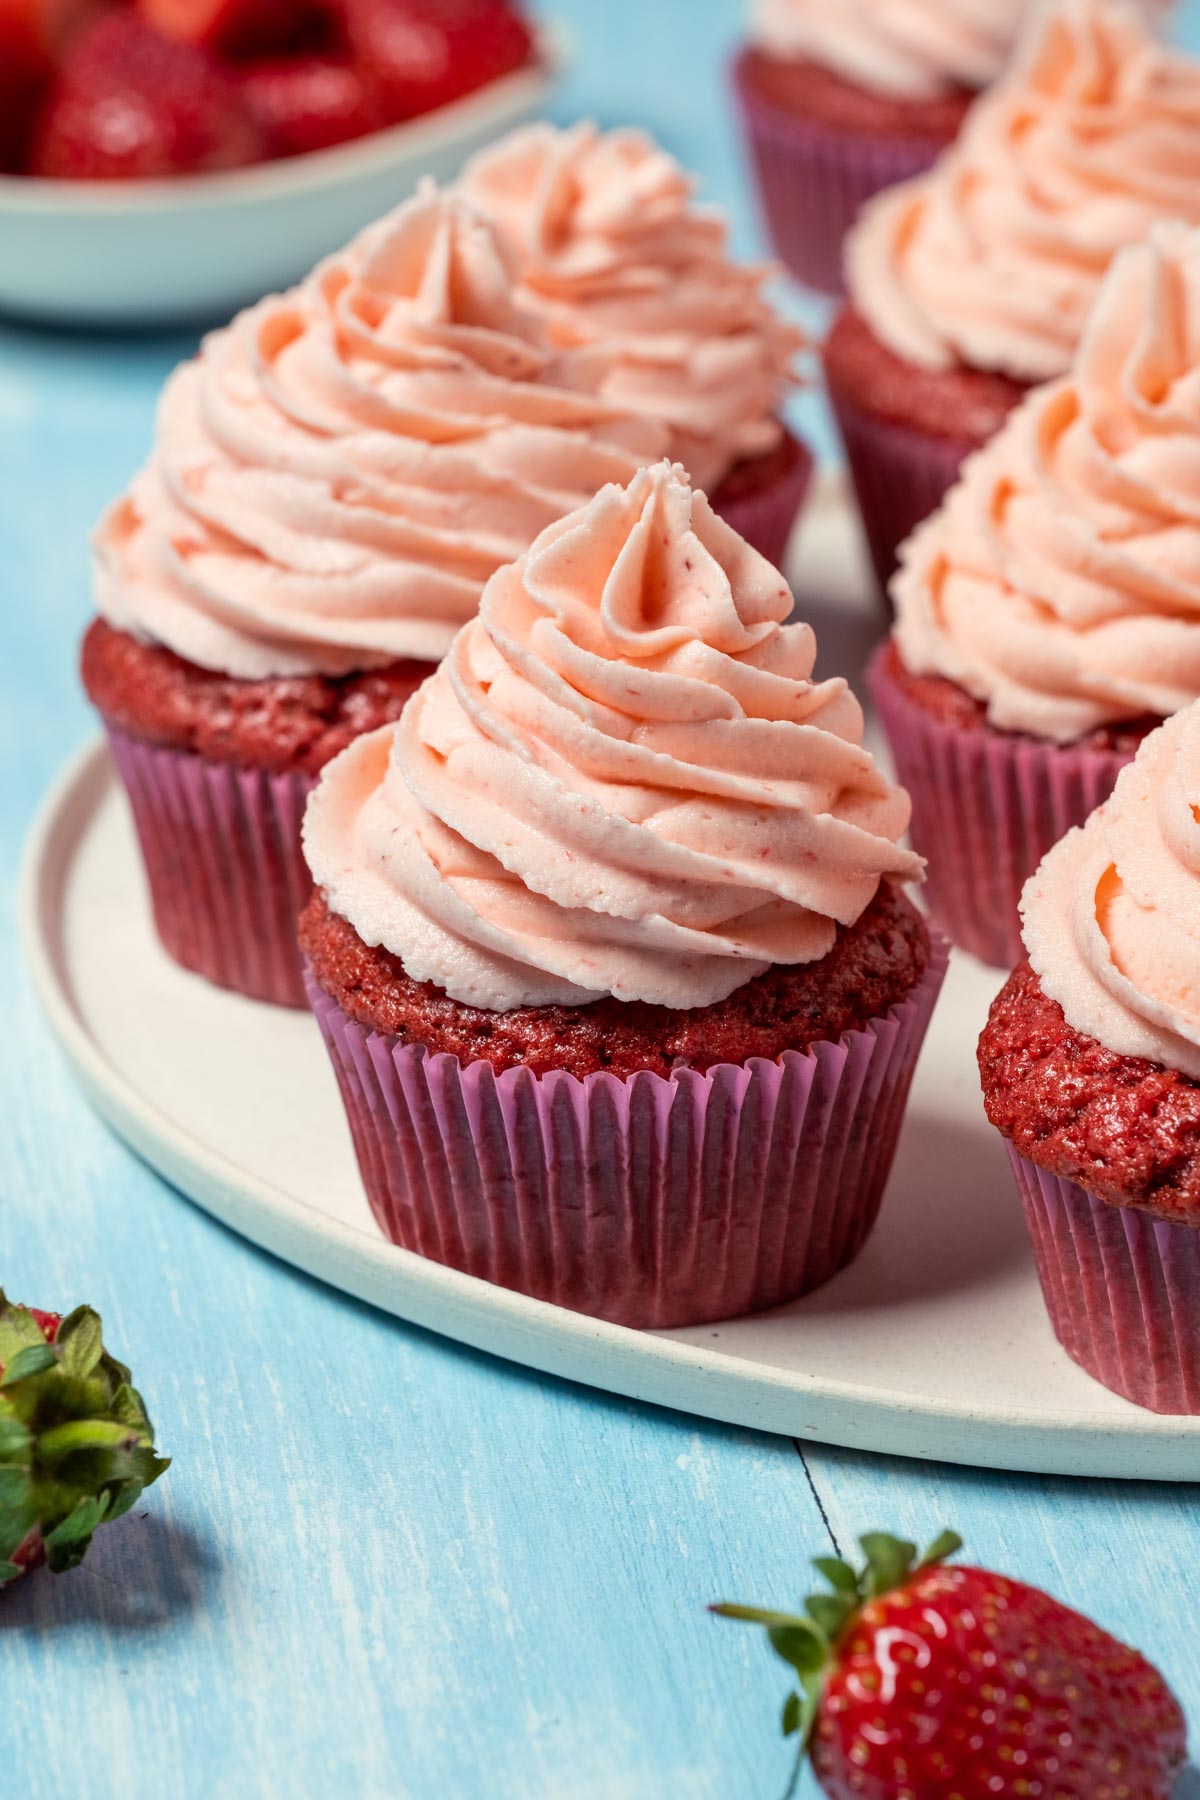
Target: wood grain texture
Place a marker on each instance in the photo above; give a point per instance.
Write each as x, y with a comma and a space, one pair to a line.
383, 1566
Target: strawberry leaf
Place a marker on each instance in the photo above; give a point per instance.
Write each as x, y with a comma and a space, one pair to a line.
801, 1646
80, 1341
837, 1573
793, 1707
35, 1359
946, 1545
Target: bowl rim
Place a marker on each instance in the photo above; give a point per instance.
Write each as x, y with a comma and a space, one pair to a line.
291, 176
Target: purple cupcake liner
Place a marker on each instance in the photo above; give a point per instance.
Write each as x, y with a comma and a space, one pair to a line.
812, 180
649, 1201
987, 806
221, 848
1122, 1289
900, 474
765, 516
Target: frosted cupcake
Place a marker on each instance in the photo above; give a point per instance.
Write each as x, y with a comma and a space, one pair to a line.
1090, 1063
608, 943
1048, 616
975, 281
616, 255
840, 101
333, 481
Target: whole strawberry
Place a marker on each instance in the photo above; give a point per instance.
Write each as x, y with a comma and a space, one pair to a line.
76, 1446
129, 103
916, 1681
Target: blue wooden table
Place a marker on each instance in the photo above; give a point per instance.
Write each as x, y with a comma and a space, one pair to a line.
382, 1565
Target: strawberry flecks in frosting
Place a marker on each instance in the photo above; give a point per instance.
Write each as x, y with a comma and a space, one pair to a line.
994, 257
623, 779
615, 254
338, 473
1060, 582
1112, 916
908, 49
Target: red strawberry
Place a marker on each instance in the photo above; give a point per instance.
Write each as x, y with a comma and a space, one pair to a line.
421, 54
304, 103
229, 27
129, 102
34, 33
76, 1446
921, 1681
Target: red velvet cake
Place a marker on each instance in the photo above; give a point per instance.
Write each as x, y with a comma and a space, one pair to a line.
1124, 1128
975, 281
279, 724
874, 965
334, 479
823, 97
1047, 615
946, 703
608, 945
1090, 1065
894, 416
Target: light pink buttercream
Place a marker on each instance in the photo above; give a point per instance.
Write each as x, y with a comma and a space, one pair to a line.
617, 255
994, 257
339, 472
622, 780
1112, 916
1060, 582
909, 49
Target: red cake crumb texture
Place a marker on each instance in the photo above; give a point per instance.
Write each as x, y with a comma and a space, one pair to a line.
1125, 1129
755, 474
873, 965
953, 705
821, 96
279, 724
967, 406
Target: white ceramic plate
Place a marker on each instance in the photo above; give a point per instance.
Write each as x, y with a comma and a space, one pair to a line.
934, 1344
197, 248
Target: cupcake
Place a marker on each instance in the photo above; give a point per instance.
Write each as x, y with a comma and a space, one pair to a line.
974, 282
1090, 1063
608, 943
1048, 616
334, 479
839, 102
616, 255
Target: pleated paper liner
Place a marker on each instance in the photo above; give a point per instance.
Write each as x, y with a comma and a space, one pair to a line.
987, 806
812, 180
765, 516
1122, 1289
221, 848
900, 476
646, 1200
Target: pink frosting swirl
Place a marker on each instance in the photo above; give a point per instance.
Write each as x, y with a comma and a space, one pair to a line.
622, 780
995, 256
1112, 916
616, 254
339, 472
1060, 582
910, 49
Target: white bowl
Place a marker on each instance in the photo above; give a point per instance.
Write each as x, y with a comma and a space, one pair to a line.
198, 247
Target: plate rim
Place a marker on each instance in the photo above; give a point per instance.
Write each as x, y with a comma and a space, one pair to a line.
485, 1317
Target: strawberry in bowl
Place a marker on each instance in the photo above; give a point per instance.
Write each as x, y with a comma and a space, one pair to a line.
170, 161
91, 90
